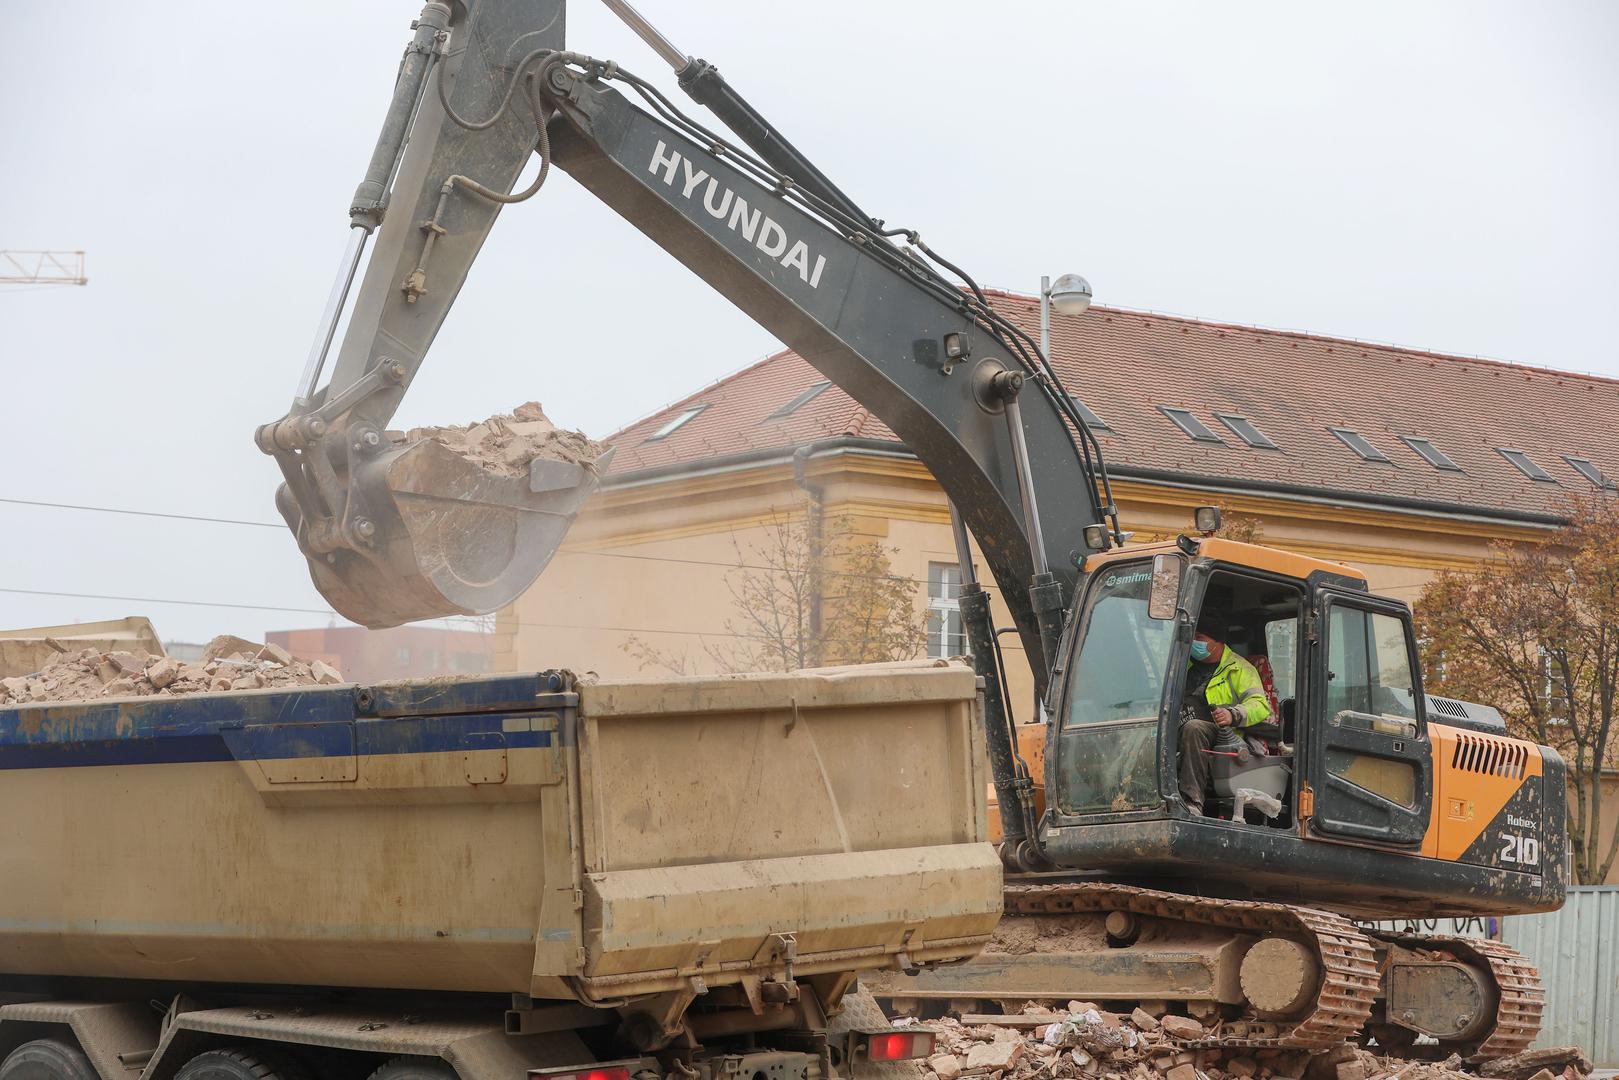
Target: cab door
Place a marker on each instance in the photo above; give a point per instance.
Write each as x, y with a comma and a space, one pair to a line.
1369, 760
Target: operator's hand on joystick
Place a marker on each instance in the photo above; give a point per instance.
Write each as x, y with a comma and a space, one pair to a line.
1222, 716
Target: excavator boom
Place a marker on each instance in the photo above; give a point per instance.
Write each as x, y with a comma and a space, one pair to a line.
395, 531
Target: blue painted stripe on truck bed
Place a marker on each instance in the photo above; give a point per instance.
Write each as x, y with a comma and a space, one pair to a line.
296, 723
371, 737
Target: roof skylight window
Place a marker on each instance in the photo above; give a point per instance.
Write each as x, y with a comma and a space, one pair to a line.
1430, 453
1092, 421
1357, 442
1191, 425
804, 398
1246, 431
1589, 470
675, 424
1526, 465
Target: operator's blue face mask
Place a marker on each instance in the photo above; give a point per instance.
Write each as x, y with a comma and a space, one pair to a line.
1200, 651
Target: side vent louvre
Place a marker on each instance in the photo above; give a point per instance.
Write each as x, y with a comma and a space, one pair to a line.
1490, 756
1467, 714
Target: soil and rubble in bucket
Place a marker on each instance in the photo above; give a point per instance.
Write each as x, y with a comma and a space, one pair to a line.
1086, 1042
507, 443
227, 663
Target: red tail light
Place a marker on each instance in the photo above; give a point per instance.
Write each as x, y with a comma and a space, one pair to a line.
611, 1072
899, 1045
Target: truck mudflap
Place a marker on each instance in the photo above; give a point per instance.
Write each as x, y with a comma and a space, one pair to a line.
782, 918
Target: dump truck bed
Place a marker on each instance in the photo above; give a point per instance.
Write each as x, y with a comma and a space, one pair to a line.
511, 833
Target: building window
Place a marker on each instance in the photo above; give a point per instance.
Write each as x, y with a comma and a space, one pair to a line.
1357, 442
402, 655
1191, 425
804, 398
1526, 465
1092, 421
1246, 431
945, 634
1589, 470
674, 425
1430, 453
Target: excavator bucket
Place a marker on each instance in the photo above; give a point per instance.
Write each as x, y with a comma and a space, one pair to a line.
448, 537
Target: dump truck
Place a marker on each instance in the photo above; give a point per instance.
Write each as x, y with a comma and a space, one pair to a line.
487, 877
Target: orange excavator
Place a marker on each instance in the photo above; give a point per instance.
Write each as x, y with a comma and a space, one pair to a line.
1374, 799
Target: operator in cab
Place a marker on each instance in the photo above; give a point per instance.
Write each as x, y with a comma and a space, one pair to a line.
1224, 693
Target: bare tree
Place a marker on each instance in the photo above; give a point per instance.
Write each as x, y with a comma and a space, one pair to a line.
1243, 528
810, 592
1535, 632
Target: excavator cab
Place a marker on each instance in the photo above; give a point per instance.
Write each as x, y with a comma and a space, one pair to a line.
1347, 792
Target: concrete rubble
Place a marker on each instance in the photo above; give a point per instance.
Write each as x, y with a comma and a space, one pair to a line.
228, 663
1086, 1042
507, 443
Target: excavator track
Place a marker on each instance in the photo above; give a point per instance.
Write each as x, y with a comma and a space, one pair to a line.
1349, 975
1521, 996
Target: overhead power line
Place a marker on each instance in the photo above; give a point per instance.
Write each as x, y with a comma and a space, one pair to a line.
143, 513
672, 559
655, 630
162, 600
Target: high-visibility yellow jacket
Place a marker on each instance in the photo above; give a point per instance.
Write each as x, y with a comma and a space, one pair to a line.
1236, 685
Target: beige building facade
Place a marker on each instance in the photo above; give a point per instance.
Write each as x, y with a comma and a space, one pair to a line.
649, 561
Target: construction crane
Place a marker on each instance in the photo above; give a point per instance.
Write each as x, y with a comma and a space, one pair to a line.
42, 268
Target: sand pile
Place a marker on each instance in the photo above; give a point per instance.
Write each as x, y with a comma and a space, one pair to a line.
1087, 1042
228, 663
507, 443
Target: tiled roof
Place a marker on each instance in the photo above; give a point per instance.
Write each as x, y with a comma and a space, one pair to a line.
1294, 387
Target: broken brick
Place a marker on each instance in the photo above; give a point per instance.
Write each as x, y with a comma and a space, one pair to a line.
1181, 1027
275, 654
163, 671
994, 1056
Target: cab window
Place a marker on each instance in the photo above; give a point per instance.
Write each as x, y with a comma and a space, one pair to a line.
1124, 654
1368, 665
1282, 648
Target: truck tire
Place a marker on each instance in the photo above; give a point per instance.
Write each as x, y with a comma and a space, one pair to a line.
47, 1059
239, 1063
414, 1068
860, 1010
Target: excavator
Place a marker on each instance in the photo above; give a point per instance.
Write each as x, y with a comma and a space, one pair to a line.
1378, 800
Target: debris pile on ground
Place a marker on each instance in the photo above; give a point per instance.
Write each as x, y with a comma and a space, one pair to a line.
1088, 1042
507, 443
228, 663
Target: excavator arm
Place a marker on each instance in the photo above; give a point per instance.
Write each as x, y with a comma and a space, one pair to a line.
964, 388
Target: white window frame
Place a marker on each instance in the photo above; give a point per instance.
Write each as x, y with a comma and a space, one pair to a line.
944, 611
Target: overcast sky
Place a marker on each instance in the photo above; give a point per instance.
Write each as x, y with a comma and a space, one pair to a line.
1431, 174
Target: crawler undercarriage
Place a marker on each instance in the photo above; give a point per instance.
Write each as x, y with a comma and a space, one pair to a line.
1259, 974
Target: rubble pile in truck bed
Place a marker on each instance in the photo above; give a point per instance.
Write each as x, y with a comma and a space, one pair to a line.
227, 663
1089, 1043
